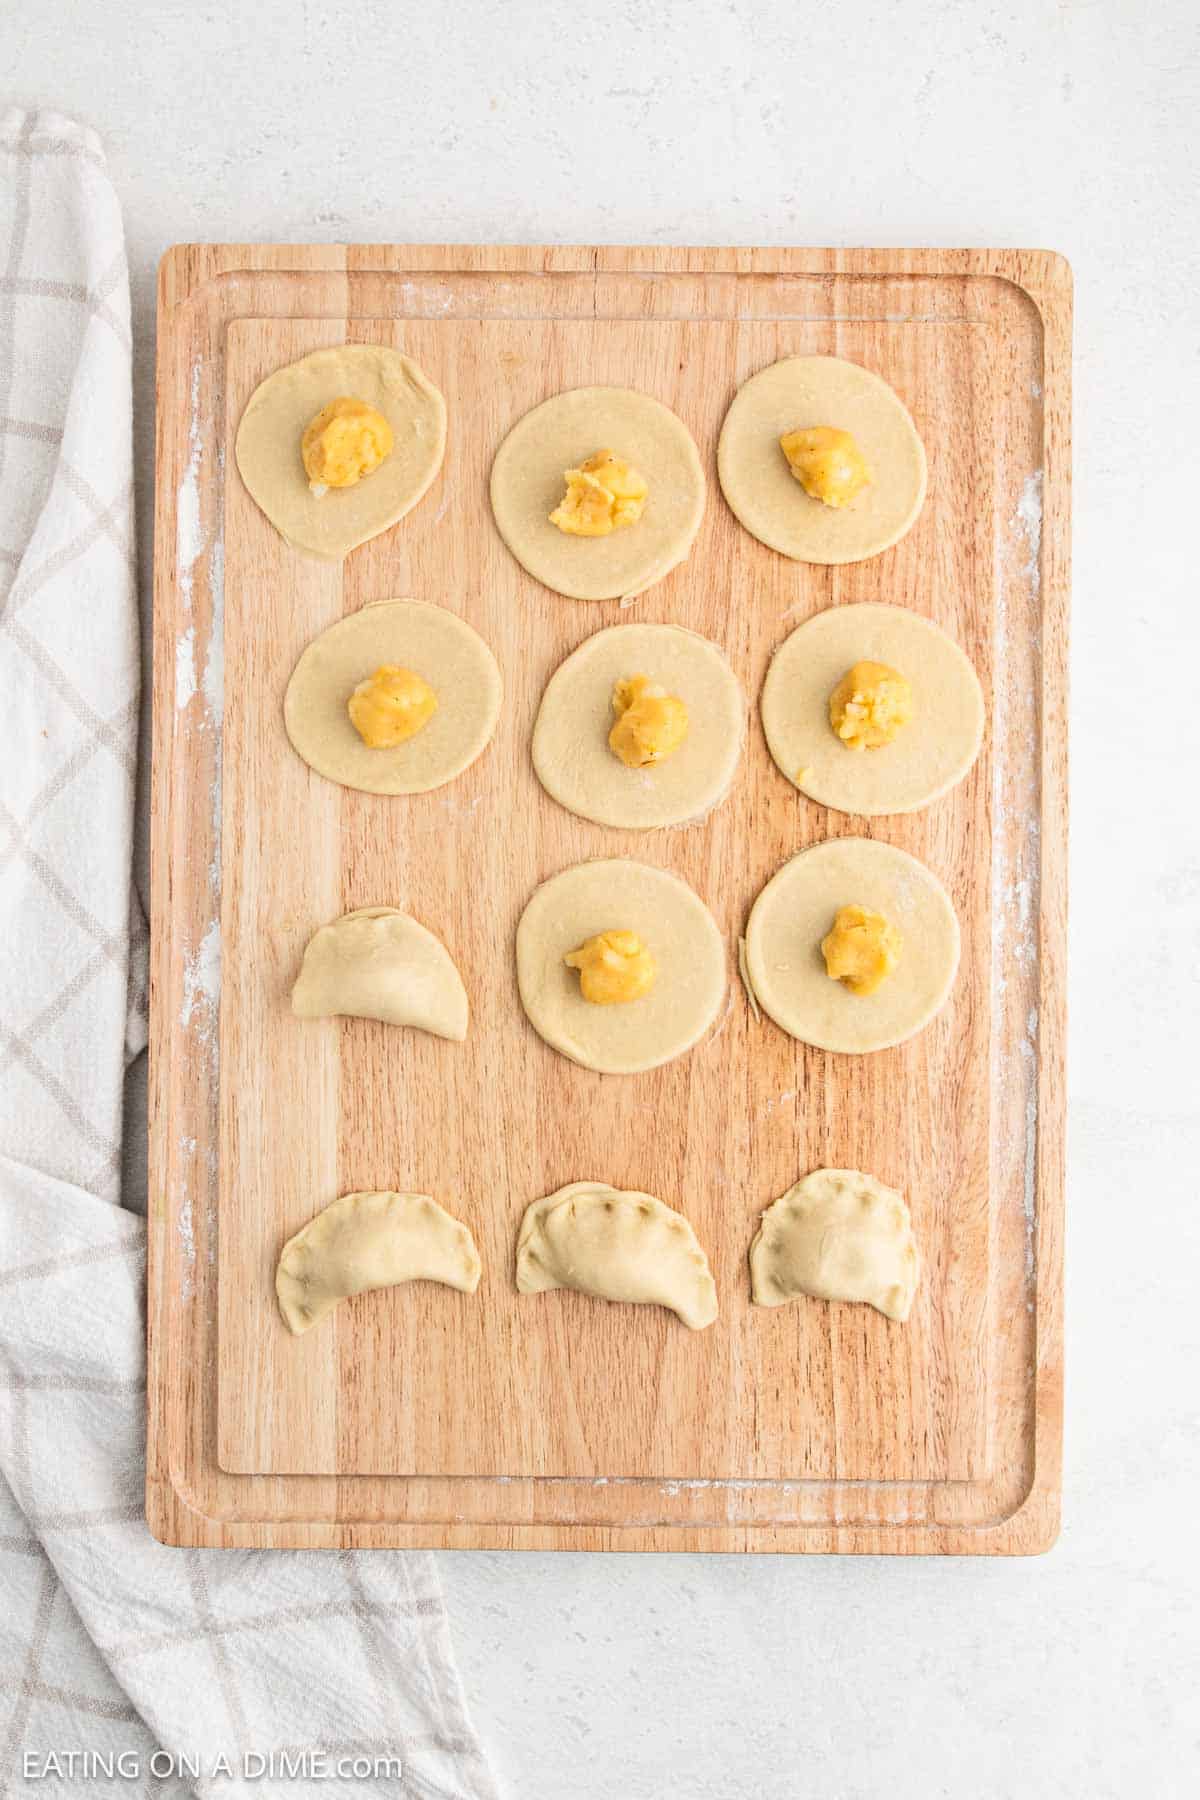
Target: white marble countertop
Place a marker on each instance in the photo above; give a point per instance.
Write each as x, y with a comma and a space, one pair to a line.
1060, 123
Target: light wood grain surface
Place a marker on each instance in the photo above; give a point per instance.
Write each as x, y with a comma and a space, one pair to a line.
424, 1416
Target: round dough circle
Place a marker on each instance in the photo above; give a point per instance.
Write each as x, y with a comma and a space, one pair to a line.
527, 484
268, 446
570, 738
930, 754
436, 644
804, 391
795, 911
614, 893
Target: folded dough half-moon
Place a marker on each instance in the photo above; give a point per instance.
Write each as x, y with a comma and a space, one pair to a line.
380, 964
615, 1245
837, 1235
371, 1240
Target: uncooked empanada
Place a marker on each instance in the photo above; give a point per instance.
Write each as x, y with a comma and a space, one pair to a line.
615, 1245
380, 964
837, 1235
366, 1241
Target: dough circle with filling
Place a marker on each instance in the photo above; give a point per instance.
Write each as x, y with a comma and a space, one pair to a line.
796, 910
434, 643
615, 893
268, 446
570, 738
560, 434
805, 391
928, 755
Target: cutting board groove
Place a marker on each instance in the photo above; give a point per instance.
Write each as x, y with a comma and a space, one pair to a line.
422, 1416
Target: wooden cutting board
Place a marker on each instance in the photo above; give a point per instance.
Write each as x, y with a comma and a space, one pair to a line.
420, 1416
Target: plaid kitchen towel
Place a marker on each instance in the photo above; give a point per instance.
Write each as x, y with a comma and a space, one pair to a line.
126, 1667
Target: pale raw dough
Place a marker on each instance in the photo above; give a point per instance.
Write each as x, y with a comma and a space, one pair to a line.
928, 755
803, 391
570, 739
268, 446
371, 1240
434, 643
378, 963
527, 484
837, 1235
795, 911
615, 1245
677, 928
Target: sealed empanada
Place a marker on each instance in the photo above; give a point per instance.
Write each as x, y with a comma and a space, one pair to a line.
366, 1241
380, 964
837, 1235
615, 1245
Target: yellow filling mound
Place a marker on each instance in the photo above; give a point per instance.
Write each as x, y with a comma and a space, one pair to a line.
870, 706
347, 440
651, 724
862, 950
827, 463
613, 967
604, 494
391, 706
